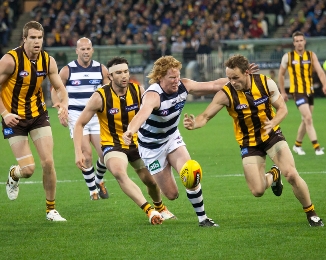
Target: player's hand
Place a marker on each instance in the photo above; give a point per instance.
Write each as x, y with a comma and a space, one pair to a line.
80, 161
268, 126
324, 90
62, 114
189, 121
11, 120
127, 136
285, 97
253, 68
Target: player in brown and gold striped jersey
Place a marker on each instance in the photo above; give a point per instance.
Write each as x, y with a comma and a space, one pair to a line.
250, 100
300, 64
23, 111
115, 105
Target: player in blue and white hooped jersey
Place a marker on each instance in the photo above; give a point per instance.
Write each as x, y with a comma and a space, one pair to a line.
160, 144
82, 77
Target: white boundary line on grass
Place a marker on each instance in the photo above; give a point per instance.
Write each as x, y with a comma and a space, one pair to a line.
216, 176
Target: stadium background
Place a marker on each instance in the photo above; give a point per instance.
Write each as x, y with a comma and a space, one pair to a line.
202, 34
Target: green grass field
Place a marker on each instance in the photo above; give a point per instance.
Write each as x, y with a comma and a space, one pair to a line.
250, 228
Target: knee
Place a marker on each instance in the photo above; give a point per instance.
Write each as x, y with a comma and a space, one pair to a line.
172, 195
47, 165
257, 193
28, 171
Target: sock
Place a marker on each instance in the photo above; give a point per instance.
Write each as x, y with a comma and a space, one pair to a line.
159, 206
196, 199
147, 208
310, 211
89, 176
100, 171
50, 205
297, 143
275, 173
316, 145
15, 173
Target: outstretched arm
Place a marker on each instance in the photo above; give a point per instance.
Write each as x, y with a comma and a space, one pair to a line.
151, 101
219, 101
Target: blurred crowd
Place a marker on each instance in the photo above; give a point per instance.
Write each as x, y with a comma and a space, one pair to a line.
9, 12
172, 26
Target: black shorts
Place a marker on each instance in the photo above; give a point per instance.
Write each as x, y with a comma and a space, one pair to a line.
132, 154
260, 150
25, 126
301, 99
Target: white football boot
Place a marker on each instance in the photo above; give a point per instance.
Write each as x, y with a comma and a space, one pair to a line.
12, 186
54, 215
298, 150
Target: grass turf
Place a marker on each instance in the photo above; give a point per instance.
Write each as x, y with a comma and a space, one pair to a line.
269, 227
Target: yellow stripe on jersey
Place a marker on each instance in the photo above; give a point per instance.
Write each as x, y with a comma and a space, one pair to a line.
300, 72
22, 93
117, 113
250, 110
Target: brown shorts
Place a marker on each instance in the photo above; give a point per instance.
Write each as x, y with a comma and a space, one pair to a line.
132, 154
301, 99
260, 150
25, 126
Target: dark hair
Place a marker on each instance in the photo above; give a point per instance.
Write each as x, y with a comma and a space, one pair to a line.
238, 61
32, 25
116, 61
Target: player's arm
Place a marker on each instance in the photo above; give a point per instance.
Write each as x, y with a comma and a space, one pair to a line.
93, 105
320, 72
210, 87
64, 74
281, 75
7, 67
150, 101
61, 91
105, 73
278, 103
219, 101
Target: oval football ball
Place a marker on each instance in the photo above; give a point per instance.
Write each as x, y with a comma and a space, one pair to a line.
191, 174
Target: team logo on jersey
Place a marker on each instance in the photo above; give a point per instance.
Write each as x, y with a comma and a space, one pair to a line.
164, 112
300, 101
23, 73
106, 149
244, 151
306, 62
40, 73
75, 82
131, 107
95, 81
7, 131
180, 105
241, 106
294, 62
114, 111
260, 101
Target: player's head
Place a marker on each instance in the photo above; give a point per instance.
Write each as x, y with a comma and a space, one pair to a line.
237, 71
84, 50
119, 71
32, 25
299, 41
161, 67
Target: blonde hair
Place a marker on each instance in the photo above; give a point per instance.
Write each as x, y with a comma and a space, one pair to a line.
161, 67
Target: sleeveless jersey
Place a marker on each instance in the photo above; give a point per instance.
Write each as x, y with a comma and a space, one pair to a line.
116, 115
82, 83
163, 122
250, 110
22, 93
300, 72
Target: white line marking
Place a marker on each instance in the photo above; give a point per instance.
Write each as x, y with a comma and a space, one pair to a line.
214, 176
